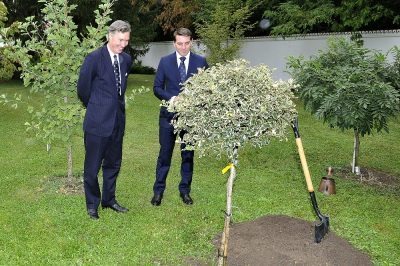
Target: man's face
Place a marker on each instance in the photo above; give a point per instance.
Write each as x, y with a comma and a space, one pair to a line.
182, 44
118, 41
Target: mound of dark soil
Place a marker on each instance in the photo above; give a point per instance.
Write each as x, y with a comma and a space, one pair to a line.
282, 240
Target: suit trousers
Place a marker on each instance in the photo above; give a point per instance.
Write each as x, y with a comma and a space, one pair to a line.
105, 152
167, 139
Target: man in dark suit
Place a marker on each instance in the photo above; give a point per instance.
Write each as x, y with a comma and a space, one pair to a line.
101, 88
172, 71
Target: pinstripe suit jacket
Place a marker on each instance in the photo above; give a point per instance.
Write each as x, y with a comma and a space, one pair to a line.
97, 89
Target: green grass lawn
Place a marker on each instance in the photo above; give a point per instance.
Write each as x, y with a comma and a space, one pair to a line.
41, 226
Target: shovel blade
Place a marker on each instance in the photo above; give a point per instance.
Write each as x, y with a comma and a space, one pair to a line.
322, 228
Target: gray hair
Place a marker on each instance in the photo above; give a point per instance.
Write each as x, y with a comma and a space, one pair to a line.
119, 26
182, 32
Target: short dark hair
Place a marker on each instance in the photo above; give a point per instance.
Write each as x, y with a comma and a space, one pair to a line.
182, 32
119, 26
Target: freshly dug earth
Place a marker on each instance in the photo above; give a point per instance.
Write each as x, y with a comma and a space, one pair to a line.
282, 240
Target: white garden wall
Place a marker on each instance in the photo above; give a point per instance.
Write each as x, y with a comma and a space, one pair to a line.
273, 51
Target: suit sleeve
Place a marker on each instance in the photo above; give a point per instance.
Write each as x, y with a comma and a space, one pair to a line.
159, 82
85, 81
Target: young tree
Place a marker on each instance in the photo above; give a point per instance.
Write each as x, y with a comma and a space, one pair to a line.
50, 58
221, 26
345, 86
227, 106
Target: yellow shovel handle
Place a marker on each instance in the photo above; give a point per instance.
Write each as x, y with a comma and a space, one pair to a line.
304, 165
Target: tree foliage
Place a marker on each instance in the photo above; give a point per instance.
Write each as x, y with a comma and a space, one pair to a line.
305, 16
7, 68
141, 15
355, 15
157, 19
293, 17
346, 87
3, 14
231, 104
177, 13
393, 69
18, 10
221, 26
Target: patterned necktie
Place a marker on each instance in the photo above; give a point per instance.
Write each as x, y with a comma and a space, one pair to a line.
182, 69
117, 75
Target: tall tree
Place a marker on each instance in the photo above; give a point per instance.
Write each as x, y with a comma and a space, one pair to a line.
18, 10
305, 16
294, 17
368, 14
83, 14
221, 25
141, 15
177, 13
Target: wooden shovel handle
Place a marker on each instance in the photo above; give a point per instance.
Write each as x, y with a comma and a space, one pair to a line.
304, 165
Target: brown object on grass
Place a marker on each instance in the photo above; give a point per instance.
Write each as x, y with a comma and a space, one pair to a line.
327, 184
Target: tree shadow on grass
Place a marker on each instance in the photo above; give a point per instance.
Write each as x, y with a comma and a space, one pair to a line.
61, 185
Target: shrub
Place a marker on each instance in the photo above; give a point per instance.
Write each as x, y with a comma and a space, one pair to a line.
7, 68
138, 68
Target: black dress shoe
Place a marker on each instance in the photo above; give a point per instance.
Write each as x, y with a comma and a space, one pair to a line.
186, 199
156, 200
93, 214
116, 207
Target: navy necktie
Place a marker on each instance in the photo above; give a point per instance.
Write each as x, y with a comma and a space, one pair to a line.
117, 74
182, 69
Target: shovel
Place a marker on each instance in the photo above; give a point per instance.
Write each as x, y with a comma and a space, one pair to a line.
321, 228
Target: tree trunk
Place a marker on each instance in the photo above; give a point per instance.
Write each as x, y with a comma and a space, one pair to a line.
355, 167
223, 251
69, 159
69, 165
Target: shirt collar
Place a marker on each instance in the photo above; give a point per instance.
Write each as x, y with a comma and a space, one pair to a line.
178, 57
112, 54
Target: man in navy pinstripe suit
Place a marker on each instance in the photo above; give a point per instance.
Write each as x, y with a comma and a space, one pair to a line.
172, 71
101, 88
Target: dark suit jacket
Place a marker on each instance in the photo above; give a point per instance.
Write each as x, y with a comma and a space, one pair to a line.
166, 82
97, 89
